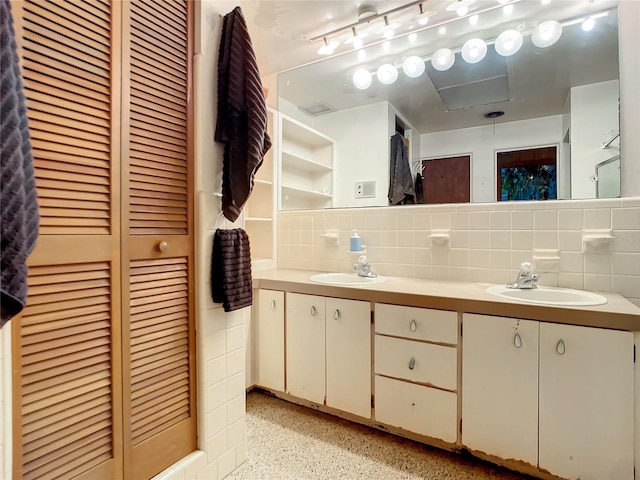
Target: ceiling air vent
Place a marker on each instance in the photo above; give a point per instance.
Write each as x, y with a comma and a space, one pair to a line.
317, 109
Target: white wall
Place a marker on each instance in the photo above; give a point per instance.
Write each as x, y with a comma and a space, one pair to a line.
362, 151
482, 143
220, 336
594, 120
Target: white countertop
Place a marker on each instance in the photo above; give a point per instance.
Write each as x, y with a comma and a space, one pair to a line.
617, 313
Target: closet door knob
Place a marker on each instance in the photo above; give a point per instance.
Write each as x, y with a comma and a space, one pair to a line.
313, 311
163, 246
273, 304
336, 314
412, 363
413, 326
517, 341
560, 347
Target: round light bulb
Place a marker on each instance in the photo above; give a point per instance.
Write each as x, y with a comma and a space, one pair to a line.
387, 74
474, 50
507, 9
546, 34
328, 47
389, 34
508, 43
442, 30
362, 78
443, 59
588, 24
413, 67
462, 11
357, 43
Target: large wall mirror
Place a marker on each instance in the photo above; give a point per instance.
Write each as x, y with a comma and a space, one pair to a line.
476, 128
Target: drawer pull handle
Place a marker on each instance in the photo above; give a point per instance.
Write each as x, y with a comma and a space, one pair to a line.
412, 363
336, 314
163, 246
517, 341
560, 348
273, 304
413, 326
313, 311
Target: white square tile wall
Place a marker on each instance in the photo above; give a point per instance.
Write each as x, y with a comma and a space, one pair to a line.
487, 241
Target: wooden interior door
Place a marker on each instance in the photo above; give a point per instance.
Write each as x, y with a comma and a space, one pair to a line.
157, 248
104, 355
67, 420
447, 180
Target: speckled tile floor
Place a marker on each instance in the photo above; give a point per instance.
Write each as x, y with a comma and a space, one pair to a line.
289, 442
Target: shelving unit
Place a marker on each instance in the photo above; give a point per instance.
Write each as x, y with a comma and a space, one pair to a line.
259, 210
306, 167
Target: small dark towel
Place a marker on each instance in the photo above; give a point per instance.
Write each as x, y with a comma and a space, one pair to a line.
401, 187
231, 282
18, 199
242, 114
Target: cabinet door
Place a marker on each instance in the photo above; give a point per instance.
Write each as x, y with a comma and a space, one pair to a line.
500, 386
586, 402
305, 346
270, 339
348, 324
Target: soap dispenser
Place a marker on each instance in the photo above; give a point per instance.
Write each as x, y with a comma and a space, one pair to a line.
354, 242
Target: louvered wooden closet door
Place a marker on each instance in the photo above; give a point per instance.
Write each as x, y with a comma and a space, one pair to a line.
66, 348
158, 297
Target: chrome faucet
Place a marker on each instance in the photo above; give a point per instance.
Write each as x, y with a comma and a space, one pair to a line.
525, 278
363, 268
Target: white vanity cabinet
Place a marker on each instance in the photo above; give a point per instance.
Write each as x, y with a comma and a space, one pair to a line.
416, 370
334, 333
552, 395
586, 402
269, 333
500, 387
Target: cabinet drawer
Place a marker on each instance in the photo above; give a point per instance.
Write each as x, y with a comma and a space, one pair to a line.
434, 364
417, 323
423, 410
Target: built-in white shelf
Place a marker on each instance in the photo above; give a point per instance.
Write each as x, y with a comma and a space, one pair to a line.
300, 133
291, 160
304, 193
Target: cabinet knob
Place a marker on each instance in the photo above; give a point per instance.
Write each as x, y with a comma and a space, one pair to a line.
313, 311
560, 347
517, 341
412, 363
336, 314
413, 326
163, 246
273, 304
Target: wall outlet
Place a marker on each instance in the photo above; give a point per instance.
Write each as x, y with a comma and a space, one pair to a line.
365, 189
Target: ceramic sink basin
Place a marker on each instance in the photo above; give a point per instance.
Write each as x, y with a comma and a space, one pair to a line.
345, 279
548, 295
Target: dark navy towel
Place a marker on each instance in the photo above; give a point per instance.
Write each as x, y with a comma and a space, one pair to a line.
231, 282
18, 201
242, 114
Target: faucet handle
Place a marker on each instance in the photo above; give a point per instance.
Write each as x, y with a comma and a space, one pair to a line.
526, 268
362, 259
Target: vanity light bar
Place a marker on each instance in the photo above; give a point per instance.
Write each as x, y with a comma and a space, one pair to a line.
412, 69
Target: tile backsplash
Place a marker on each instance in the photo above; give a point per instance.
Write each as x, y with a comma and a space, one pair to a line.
487, 242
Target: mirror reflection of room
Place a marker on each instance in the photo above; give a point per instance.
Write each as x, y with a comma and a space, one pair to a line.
526, 118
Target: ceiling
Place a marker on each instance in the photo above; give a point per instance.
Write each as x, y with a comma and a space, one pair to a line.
537, 81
